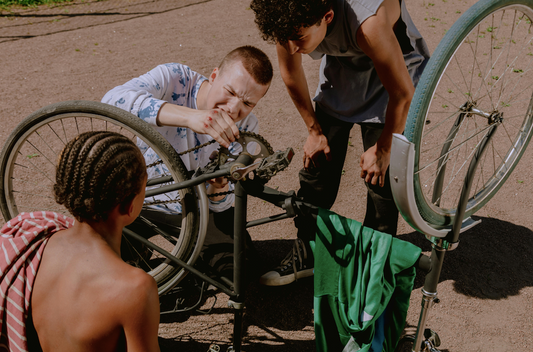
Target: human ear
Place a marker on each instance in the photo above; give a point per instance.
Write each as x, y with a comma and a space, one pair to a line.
328, 17
130, 207
213, 75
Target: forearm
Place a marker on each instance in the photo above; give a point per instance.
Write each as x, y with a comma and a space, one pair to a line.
175, 115
293, 76
395, 119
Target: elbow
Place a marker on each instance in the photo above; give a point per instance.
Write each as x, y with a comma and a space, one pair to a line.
286, 77
403, 97
406, 94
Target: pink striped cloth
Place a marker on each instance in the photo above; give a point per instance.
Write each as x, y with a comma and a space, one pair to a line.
22, 244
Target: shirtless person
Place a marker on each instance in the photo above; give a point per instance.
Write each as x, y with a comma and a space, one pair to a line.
85, 298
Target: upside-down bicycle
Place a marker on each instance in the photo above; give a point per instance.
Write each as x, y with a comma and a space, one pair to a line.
469, 123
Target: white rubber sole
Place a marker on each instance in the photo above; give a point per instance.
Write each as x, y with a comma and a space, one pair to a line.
273, 278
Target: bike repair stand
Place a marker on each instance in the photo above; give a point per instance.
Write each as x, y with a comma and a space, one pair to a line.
427, 340
291, 206
237, 301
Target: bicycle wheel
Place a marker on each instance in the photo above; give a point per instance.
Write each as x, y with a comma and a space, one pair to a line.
479, 76
28, 161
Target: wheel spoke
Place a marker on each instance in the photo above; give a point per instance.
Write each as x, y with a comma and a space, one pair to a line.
29, 176
139, 255
476, 132
35, 168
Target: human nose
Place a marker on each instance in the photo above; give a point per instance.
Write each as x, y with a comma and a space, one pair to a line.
234, 106
292, 47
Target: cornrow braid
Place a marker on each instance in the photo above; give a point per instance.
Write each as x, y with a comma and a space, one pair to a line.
71, 154
90, 155
96, 172
90, 152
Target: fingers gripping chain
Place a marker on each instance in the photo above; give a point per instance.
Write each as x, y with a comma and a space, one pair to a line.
265, 162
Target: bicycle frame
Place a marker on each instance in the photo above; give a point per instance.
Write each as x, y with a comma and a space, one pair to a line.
291, 206
235, 290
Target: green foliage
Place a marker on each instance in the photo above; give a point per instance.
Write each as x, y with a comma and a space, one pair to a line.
6, 4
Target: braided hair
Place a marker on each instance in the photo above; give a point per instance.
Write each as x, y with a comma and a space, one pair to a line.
96, 172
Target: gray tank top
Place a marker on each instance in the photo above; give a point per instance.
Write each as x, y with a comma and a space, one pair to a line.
349, 86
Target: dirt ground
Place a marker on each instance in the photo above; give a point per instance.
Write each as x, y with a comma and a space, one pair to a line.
83, 49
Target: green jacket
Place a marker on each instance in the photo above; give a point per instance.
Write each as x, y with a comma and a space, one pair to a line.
363, 282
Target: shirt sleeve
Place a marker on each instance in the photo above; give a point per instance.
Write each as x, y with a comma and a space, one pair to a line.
143, 96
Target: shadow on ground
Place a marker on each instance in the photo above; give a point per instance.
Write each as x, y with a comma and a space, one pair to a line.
492, 261
192, 345
268, 310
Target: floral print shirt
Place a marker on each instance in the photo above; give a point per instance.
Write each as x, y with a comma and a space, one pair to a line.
172, 83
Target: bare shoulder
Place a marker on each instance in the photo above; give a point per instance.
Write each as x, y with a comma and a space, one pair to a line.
385, 18
376, 35
139, 310
135, 285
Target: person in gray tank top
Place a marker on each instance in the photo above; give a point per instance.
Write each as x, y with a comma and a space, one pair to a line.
372, 57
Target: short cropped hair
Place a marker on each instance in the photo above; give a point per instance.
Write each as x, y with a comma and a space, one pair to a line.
255, 62
279, 20
96, 172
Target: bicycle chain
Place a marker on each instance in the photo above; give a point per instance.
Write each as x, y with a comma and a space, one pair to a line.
259, 139
253, 135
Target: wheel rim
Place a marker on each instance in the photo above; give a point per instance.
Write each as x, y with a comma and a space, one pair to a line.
484, 82
36, 153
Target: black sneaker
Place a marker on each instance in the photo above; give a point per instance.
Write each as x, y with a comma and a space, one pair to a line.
295, 266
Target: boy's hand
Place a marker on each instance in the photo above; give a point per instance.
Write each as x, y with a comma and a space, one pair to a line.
315, 146
218, 183
217, 123
374, 164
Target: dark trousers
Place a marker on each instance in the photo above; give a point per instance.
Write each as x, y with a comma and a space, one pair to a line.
320, 186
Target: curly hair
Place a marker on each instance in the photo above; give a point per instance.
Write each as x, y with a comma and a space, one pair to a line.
96, 172
255, 62
279, 20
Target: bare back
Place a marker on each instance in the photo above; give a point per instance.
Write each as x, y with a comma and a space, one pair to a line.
85, 298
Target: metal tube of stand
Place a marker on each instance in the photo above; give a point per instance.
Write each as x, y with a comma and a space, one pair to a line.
429, 294
184, 184
238, 263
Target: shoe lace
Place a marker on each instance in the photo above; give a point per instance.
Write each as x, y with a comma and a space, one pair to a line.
299, 252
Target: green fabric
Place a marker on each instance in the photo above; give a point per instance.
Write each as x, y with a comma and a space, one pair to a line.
359, 270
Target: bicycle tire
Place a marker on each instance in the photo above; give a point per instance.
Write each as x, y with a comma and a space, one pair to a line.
28, 161
477, 74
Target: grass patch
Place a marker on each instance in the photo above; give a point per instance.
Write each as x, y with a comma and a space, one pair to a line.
7, 4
